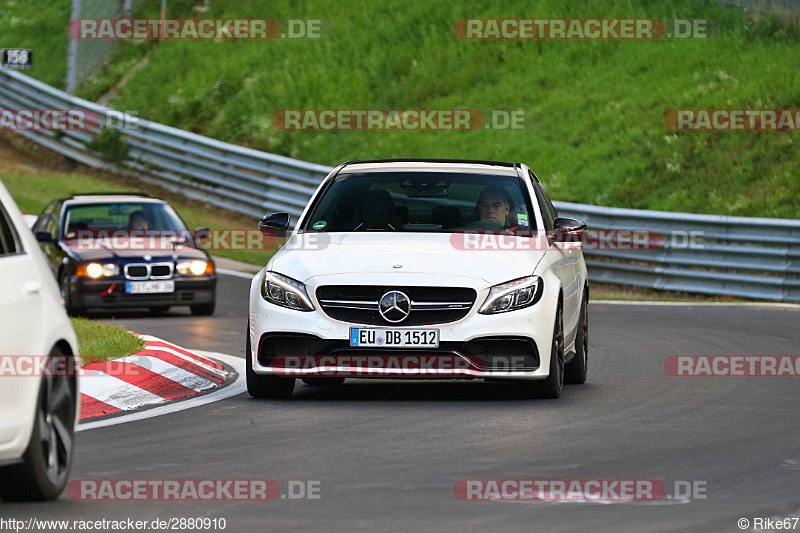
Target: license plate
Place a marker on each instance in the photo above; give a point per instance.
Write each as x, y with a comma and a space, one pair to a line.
394, 338
150, 287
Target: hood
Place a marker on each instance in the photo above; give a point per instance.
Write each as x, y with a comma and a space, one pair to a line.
315, 254
126, 249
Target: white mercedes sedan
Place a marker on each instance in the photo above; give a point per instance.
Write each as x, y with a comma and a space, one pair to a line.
422, 269
39, 395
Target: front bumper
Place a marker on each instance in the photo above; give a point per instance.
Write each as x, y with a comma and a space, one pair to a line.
513, 345
109, 293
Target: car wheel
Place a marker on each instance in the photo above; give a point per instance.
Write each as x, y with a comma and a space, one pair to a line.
159, 309
551, 387
66, 296
45, 466
323, 382
265, 386
575, 371
202, 309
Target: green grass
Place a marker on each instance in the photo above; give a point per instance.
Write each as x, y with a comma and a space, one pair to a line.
40, 25
597, 107
102, 342
598, 135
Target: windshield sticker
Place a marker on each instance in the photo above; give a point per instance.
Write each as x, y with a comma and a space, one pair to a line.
319, 225
522, 220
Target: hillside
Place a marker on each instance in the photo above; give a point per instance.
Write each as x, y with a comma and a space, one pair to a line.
597, 107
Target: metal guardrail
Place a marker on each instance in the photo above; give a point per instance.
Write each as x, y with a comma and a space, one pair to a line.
738, 256
229, 176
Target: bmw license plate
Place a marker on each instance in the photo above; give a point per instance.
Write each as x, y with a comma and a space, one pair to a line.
394, 338
150, 287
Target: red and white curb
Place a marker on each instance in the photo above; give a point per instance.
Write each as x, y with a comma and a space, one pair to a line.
160, 372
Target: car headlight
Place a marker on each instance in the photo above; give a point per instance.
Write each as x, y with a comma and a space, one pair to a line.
196, 267
513, 295
96, 270
287, 292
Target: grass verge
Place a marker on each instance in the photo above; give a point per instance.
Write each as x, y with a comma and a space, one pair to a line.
102, 342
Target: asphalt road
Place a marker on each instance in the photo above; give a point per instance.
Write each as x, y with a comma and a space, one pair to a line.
388, 453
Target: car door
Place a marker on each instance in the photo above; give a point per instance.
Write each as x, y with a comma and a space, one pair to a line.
20, 306
21, 316
564, 265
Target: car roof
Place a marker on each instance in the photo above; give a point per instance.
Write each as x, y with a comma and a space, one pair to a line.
431, 165
105, 198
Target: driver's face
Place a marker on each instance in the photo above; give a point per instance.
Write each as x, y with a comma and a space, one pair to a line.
139, 224
493, 209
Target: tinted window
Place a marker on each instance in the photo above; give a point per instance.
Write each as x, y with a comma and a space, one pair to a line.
421, 202
550, 207
51, 223
41, 222
9, 240
546, 216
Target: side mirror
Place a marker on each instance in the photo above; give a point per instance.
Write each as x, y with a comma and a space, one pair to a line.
567, 230
274, 224
44, 236
200, 233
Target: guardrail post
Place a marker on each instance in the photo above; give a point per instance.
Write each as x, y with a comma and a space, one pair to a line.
72, 52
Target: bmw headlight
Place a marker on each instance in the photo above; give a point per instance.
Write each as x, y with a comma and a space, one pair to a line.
513, 295
286, 292
197, 267
96, 270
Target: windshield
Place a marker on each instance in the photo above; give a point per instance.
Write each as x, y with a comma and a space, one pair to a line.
422, 202
139, 216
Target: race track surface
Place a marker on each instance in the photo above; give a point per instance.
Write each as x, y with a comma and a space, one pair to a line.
388, 453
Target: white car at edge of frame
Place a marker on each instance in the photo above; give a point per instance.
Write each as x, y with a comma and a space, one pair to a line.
383, 263
38, 408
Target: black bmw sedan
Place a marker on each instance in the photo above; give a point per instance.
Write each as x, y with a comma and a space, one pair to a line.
122, 251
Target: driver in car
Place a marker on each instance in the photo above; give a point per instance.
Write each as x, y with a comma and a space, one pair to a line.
137, 221
494, 205
492, 210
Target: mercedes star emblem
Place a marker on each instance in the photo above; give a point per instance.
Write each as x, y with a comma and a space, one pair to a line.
394, 306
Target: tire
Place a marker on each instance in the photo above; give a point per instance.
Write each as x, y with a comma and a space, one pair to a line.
203, 309
550, 388
265, 386
159, 309
323, 382
66, 296
45, 466
576, 370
